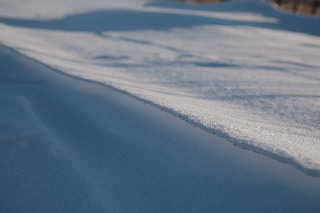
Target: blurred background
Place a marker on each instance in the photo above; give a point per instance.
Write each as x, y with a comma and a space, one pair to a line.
310, 7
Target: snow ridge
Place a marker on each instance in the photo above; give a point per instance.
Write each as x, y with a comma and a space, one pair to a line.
253, 78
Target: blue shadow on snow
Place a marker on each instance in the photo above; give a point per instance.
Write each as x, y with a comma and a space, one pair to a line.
124, 20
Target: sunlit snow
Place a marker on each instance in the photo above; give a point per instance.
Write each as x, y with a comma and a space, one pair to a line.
240, 69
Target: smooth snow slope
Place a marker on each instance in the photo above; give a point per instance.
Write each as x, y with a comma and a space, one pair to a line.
239, 69
74, 146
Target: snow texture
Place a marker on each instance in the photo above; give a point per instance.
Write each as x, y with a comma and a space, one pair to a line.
241, 69
68, 145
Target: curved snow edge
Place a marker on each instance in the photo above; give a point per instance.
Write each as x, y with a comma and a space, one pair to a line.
241, 143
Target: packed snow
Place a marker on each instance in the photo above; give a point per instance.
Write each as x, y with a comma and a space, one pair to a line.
68, 145
241, 70
82, 82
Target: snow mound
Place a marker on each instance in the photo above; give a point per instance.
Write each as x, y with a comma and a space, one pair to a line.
241, 69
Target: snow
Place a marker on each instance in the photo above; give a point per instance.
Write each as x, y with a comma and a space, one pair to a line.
69, 145
241, 70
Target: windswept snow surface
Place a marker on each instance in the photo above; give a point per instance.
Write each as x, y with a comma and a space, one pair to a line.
239, 69
69, 145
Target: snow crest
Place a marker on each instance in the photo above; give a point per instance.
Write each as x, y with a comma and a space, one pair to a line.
253, 78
